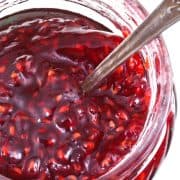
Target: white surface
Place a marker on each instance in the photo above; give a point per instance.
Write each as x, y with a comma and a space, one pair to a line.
170, 168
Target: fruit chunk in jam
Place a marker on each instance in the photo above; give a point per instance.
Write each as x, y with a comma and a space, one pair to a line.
48, 128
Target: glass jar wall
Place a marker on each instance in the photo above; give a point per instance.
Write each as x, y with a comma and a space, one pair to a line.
120, 18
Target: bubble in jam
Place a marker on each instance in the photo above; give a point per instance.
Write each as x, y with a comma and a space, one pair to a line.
48, 128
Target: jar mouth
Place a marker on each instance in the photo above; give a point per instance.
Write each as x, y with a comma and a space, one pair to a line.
113, 15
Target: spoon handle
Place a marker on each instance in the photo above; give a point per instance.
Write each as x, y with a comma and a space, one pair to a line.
165, 15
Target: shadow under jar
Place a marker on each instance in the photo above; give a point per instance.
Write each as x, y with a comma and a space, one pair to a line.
49, 129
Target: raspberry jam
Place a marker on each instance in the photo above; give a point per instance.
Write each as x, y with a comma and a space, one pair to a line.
49, 129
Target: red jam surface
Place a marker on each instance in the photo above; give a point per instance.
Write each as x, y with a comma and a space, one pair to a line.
48, 128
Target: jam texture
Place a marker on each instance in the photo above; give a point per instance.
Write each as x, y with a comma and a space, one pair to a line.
49, 129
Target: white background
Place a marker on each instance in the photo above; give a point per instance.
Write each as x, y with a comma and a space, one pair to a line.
170, 167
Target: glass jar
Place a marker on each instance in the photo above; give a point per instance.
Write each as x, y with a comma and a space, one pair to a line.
143, 160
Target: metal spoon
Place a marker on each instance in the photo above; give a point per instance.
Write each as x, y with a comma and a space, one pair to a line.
165, 15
